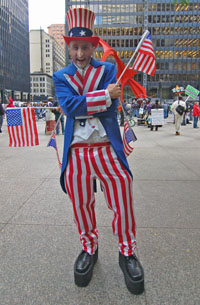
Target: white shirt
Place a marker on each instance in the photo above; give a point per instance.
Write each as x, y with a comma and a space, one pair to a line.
175, 104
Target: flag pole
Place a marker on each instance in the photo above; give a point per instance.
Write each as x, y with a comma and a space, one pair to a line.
32, 107
55, 128
136, 50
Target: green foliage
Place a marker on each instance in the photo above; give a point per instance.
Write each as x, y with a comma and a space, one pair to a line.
184, 2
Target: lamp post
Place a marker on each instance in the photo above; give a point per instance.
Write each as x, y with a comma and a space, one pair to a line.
160, 89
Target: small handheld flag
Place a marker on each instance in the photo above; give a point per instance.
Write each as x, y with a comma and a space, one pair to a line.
145, 61
52, 143
22, 127
128, 137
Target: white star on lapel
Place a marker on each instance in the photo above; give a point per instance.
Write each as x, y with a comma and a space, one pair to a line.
82, 33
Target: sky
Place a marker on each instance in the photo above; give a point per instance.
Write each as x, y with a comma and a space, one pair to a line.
43, 13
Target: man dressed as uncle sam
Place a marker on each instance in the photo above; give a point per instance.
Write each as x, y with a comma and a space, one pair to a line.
93, 149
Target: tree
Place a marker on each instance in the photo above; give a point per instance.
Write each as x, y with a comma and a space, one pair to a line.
184, 2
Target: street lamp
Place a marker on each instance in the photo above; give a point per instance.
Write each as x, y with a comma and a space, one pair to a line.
160, 89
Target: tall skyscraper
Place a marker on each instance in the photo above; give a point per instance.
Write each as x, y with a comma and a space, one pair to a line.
14, 47
175, 32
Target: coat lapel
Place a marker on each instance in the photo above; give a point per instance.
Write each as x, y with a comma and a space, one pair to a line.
76, 81
92, 78
90, 81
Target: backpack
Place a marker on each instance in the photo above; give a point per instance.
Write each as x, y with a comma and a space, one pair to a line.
180, 109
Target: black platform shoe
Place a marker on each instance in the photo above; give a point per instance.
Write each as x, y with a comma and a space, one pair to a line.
133, 273
83, 268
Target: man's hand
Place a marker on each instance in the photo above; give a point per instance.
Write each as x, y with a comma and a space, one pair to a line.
60, 110
114, 90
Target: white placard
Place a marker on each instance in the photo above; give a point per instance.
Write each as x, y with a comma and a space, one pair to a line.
157, 116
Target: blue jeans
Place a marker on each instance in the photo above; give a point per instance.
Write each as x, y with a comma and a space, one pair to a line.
195, 120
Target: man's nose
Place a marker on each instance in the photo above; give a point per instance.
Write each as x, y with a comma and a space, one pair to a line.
80, 52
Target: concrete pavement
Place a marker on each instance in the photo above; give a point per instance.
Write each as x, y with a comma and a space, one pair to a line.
39, 241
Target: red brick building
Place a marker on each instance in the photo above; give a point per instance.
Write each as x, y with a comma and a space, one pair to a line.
57, 31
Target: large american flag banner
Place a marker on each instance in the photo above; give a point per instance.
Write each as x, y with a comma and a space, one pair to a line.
22, 127
145, 61
128, 137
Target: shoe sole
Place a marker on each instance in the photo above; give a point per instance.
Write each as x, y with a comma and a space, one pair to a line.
135, 287
83, 279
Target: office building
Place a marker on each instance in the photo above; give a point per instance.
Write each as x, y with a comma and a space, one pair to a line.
46, 57
14, 48
175, 32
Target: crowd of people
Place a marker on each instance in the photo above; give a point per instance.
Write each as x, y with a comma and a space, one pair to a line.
53, 117
141, 110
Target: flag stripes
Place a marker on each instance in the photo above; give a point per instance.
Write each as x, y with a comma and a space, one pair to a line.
145, 61
127, 138
96, 101
86, 164
84, 18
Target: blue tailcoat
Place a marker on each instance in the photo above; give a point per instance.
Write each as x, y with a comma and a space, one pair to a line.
73, 104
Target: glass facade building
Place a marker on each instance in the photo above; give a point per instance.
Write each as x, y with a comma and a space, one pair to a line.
14, 46
175, 32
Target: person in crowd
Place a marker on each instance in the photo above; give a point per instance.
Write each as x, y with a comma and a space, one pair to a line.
149, 106
166, 110
187, 113
37, 110
135, 107
190, 110
196, 114
58, 116
49, 118
10, 104
2, 113
121, 114
88, 95
178, 117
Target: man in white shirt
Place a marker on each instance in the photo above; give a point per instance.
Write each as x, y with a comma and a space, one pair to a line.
177, 116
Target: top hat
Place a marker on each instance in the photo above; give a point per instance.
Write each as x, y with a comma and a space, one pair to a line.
80, 23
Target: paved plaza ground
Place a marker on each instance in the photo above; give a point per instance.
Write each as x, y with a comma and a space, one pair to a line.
39, 240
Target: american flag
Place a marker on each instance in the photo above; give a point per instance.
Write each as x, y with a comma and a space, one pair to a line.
22, 127
145, 60
52, 143
128, 137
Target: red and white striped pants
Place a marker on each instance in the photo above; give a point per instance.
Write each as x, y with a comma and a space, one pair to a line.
98, 160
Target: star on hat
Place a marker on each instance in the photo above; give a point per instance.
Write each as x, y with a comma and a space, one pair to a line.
82, 33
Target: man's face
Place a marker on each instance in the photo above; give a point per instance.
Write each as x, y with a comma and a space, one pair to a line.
81, 52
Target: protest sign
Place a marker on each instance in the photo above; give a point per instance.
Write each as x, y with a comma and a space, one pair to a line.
157, 116
191, 91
